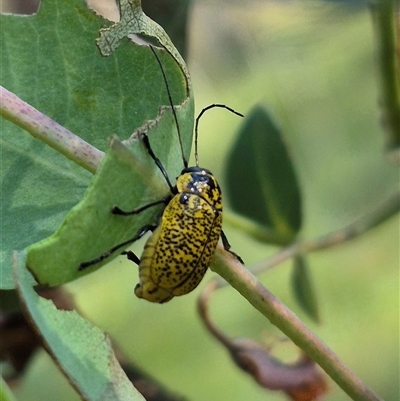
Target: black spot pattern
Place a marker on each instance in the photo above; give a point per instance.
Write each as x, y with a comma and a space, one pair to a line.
178, 253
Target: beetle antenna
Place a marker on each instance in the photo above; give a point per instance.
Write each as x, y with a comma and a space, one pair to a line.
211, 106
185, 163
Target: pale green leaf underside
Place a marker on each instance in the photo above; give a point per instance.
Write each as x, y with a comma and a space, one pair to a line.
84, 353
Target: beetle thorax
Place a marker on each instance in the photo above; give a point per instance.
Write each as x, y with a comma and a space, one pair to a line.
200, 182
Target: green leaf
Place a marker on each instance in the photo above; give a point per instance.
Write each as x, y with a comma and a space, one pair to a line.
304, 289
261, 180
9, 301
56, 67
128, 178
5, 392
81, 350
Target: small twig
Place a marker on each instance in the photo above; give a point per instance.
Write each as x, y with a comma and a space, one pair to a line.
382, 213
285, 320
256, 359
47, 130
202, 308
371, 220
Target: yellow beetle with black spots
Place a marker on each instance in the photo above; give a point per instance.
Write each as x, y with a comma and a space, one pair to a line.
177, 255
184, 238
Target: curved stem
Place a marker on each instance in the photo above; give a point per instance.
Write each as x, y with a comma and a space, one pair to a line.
47, 130
283, 318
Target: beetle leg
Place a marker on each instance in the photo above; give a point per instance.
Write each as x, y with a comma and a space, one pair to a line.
105, 255
146, 142
117, 210
227, 247
131, 256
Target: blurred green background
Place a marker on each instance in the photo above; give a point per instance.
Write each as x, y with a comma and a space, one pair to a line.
312, 64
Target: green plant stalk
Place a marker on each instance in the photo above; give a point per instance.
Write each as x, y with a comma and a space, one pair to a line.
48, 131
383, 13
283, 318
382, 213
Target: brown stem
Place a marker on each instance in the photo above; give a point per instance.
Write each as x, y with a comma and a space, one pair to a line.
47, 130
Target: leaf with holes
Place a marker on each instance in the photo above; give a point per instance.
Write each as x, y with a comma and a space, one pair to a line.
57, 67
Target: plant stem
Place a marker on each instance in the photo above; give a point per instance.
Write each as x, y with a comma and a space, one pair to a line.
283, 318
47, 130
382, 213
247, 284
